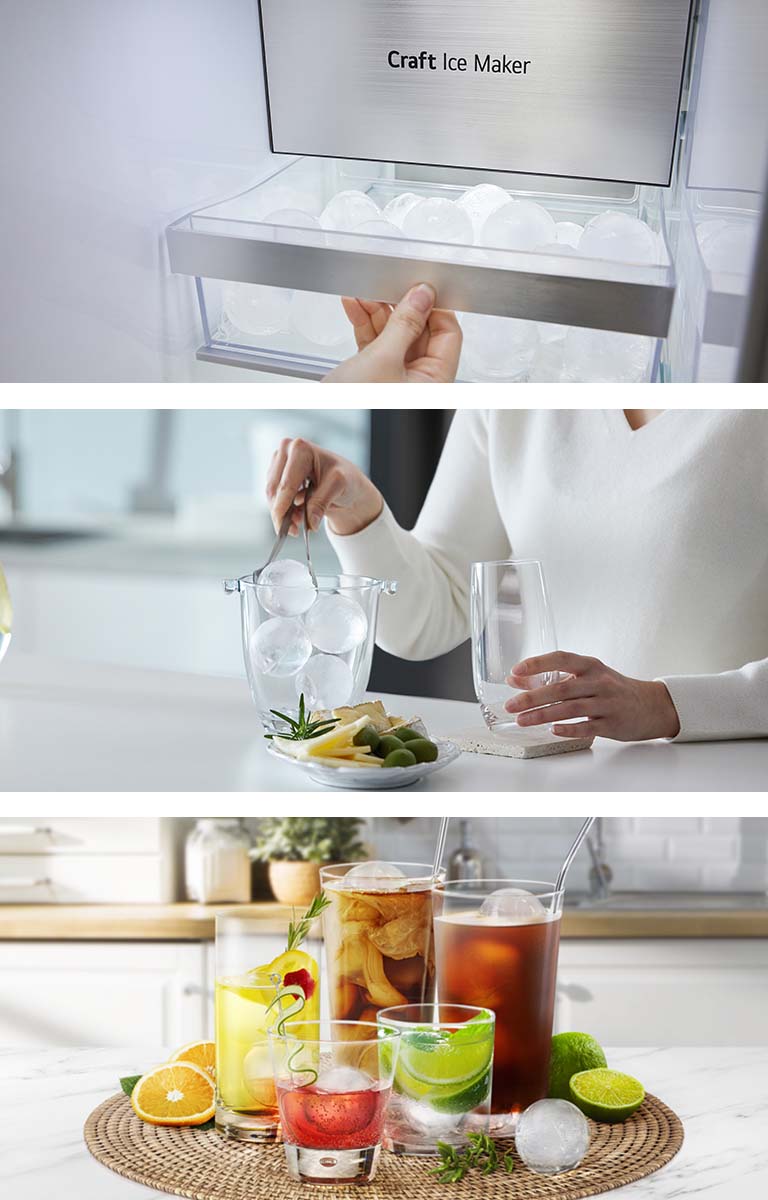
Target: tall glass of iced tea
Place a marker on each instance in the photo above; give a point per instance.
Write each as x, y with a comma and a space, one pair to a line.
378, 937
496, 945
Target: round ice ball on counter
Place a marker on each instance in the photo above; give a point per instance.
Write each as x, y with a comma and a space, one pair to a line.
256, 309
320, 318
602, 356
479, 202
518, 225
619, 237
498, 347
346, 210
397, 208
286, 588
325, 682
336, 624
552, 1136
438, 220
280, 646
296, 218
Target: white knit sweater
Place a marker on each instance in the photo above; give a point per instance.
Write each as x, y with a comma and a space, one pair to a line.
654, 545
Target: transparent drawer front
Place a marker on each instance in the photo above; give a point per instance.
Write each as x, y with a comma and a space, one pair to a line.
548, 286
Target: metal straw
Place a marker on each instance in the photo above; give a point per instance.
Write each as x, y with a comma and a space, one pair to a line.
573, 852
440, 847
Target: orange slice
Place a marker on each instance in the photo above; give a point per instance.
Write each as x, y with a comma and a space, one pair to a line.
178, 1093
202, 1054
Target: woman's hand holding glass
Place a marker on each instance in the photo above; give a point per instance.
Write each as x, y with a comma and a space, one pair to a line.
599, 701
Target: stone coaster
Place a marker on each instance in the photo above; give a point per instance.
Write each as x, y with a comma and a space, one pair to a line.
524, 743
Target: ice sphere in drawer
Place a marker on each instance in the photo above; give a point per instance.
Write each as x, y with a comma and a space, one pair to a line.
498, 347
602, 356
346, 210
730, 248
256, 309
320, 318
397, 208
621, 238
479, 202
518, 225
568, 233
438, 220
296, 218
379, 227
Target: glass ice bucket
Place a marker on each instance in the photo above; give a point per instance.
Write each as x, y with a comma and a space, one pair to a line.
301, 642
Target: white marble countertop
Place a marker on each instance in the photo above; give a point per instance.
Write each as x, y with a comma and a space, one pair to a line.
77, 726
721, 1095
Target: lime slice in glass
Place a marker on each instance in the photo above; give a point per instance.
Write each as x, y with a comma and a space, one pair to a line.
439, 1063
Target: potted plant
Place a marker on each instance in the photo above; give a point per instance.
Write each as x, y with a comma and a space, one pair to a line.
296, 847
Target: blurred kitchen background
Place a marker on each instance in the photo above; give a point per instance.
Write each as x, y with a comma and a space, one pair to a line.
107, 924
106, 517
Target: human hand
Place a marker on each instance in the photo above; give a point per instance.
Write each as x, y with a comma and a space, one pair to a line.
411, 343
613, 705
340, 492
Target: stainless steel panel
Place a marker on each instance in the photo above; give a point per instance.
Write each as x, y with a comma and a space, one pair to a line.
598, 99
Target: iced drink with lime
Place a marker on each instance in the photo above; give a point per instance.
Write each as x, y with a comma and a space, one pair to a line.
442, 1085
496, 946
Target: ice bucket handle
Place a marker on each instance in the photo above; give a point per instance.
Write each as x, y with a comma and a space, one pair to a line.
231, 585
388, 586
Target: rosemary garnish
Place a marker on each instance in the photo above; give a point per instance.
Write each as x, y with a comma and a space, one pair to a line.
298, 930
481, 1154
304, 728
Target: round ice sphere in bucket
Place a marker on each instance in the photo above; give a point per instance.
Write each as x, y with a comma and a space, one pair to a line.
346, 210
518, 225
479, 202
336, 624
498, 347
552, 1136
602, 356
325, 682
438, 220
320, 318
280, 646
395, 211
256, 309
619, 237
286, 588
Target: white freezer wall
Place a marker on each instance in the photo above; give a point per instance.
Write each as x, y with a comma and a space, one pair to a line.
125, 115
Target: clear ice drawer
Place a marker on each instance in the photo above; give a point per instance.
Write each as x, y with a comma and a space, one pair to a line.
291, 322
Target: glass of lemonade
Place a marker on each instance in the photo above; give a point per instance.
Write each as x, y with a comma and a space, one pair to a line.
378, 936
246, 1102
333, 1081
442, 1085
496, 944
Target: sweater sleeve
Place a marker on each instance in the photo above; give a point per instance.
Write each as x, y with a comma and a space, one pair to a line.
459, 524
731, 704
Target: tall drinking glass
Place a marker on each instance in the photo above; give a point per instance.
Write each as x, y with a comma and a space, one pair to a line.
496, 944
246, 1103
511, 620
378, 936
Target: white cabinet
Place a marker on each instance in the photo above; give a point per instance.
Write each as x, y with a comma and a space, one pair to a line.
102, 993
676, 992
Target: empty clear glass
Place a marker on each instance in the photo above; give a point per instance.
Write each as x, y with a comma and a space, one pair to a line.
511, 620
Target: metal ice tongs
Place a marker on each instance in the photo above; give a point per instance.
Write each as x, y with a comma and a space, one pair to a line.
285, 525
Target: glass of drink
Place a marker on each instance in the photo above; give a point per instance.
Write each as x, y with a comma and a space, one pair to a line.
378, 936
511, 620
333, 1082
496, 943
442, 1085
247, 1007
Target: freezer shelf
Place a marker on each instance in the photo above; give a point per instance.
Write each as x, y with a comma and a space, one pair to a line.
230, 241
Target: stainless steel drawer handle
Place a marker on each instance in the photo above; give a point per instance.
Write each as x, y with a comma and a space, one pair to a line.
26, 882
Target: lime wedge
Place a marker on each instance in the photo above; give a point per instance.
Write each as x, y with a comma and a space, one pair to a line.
606, 1095
6, 608
436, 1062
468, 1097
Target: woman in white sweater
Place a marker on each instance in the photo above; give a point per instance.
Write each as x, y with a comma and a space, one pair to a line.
652, 528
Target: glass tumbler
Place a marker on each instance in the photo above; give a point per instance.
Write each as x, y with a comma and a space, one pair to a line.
333, 1082
511, 620
496, 945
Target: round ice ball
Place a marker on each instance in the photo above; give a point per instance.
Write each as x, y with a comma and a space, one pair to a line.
518, 225
346, 210
320, 318
730, 249
498, 347
479, 202
325, 682
286, 588
513, 906
552, 1136
295, 217
280, 646
343, 1079
602, 356
438, 220
619, 237
383, 875
568, 233
547, 365
336, 624
256, 309
398, 206
379, 228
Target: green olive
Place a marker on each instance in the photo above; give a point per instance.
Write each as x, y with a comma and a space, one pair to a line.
407, 734
387, 744
423, 749
400, 758
367, 736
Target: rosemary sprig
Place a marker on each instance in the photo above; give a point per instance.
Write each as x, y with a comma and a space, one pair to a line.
303, 728
481, 1154
298, 930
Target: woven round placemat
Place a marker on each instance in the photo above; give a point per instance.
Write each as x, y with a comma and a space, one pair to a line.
202, 1165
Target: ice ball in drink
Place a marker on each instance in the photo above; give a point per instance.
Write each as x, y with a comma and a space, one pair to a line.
603, 356
518, 225
325, 682
438, 220
320, 318
513, 906
498, 347
336, 624
286, 588
552, 1136
397, 208
256, 309
479, 202
346, 210
280, 646
619, 237
382, 875
343, 1079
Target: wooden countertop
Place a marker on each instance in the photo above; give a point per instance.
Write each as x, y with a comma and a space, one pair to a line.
196, 922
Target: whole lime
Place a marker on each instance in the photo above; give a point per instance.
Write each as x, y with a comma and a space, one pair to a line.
571, 1053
